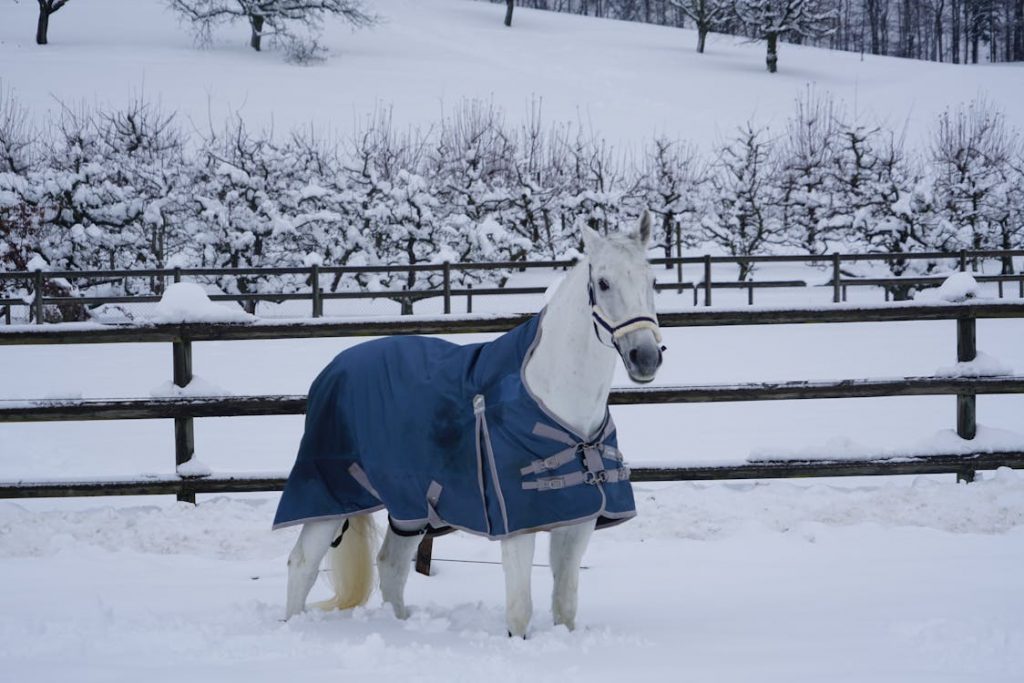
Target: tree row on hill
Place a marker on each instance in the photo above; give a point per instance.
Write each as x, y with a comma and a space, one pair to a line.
958, 31
295, 25
126, 188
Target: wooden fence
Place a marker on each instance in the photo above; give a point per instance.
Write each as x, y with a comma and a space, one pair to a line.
36, 282
184, 410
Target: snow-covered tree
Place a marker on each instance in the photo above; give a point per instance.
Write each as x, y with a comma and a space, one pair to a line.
743, 212
707, 15
670, 186
296, 24
796, 20
806, 155
971, 154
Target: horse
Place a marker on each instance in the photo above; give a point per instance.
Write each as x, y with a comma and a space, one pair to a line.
551, 401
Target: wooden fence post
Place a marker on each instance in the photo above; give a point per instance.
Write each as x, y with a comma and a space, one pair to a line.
314, 283
424, 551
966, 403
447, 273
836, 287
679, 257
469, 298
37, 302
184, 434
707, 279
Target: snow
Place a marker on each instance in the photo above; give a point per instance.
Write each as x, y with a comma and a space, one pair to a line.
625, 81
956, 288
887, 579
946, 441
983, 365
193, 468
863, 583
187, 302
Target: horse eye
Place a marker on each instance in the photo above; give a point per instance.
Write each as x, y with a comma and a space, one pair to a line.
603, 284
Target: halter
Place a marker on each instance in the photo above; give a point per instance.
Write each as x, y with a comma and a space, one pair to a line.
613, 329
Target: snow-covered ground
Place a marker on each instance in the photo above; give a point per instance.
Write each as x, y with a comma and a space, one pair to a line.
625, 80
888, 579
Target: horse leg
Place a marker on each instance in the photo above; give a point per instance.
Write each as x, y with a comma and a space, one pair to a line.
517, 560
304, 561
393, 563
568, 543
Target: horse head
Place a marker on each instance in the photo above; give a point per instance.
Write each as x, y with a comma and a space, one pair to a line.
622, 297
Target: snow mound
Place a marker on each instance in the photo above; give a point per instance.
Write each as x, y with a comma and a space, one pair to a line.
197, 388
983, 365
956, 288
194, 468
186, 302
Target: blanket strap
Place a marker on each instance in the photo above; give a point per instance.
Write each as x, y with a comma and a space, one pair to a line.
577, 478
593, 456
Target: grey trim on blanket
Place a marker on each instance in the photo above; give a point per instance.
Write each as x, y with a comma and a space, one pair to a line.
536, 399
480, 408
359, 475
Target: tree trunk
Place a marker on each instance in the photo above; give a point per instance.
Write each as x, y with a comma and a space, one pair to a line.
702, 34
256, 21
510, 5
773, 52
43, 26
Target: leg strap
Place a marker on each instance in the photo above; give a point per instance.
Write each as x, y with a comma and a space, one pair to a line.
341, 535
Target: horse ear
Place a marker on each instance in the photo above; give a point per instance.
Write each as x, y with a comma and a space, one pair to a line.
591, 238
643, 233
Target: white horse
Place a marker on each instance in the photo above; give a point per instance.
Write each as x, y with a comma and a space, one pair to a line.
604, 307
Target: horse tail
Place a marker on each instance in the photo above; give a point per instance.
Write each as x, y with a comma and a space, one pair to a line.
351, 564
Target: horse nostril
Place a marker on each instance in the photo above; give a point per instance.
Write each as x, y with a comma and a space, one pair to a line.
633, 356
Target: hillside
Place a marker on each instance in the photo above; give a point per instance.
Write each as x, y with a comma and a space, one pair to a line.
626, 80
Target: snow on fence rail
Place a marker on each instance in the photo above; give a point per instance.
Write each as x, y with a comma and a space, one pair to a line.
37, 281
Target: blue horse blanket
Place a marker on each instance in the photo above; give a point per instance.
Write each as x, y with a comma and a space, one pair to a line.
442, 434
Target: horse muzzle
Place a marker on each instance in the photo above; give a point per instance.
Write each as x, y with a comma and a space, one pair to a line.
641, 355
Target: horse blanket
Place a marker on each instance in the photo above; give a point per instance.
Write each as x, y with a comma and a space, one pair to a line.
449, 435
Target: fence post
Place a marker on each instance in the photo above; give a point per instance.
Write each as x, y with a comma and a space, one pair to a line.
963, 260
177, 274
447, 272
707, 279
966, 350
37, 302
679, 262
314, 283
184, 434
469, 298
836, 287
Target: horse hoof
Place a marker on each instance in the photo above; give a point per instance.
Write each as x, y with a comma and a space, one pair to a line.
512, 636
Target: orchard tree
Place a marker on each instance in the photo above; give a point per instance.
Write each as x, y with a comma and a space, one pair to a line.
46, 8
707, 15
794, 19
743, 213
297, 23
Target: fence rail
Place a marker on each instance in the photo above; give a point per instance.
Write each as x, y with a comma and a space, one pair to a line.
316, 295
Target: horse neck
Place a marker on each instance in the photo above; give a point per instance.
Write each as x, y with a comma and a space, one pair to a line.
570, 371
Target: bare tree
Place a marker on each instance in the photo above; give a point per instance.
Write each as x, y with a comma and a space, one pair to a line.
707, 15
295, 22
46, 8
795, 19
